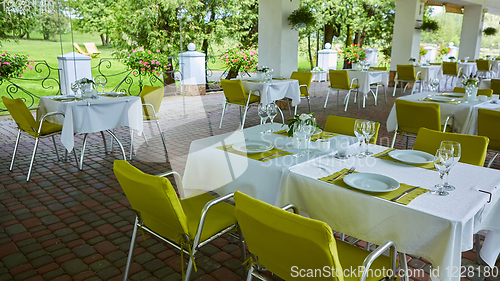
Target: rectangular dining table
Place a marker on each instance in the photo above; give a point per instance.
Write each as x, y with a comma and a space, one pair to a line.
428, 72
462, 111
367, 78
434, 227
274, 90
93, 115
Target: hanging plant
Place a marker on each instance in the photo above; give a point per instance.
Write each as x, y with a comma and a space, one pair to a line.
302, 17
430, 25
489, 31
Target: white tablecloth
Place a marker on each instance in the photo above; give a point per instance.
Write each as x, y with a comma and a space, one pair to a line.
365, 78
434, 227
495, 67
472, 124
276, 90
462, 112
429, 72
94, 115
209, 168
468, 68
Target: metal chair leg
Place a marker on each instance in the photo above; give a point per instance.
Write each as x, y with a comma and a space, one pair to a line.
404, 266
394, 138
395, 86
83, 152
244, 117
104, 141
131, 250
492, 159
32, 159
145, 138
55, 147
162, 137
308, 103
326, 100
407, 140
131, 143
222, 116
119, 143
15, 150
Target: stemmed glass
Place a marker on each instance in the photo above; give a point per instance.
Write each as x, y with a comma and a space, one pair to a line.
262, 111
299, 134
74, 88
271, 111
368, 132
457, 151
358, 131
442, 161
433, 84
310, 126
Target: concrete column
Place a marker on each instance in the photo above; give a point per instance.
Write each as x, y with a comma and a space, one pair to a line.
278, 43
472, 27
406, 39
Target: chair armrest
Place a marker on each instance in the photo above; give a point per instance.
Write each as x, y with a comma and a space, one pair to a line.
34, 108
47, 115
460, 70
446, 123
290, 206
178, 181
419, 75
152, 108
204, 212
352, 82
377, 253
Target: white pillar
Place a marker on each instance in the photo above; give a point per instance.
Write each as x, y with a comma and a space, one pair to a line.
278, 42
406, 39
472, 26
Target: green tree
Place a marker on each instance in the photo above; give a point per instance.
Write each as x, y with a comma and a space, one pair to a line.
95, 16
51, 24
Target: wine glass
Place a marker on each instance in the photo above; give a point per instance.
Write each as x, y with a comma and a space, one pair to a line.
369, 128
262, 111
74, 88
457, 151
299, 134
271, 111
442, 161
433, 84
358, 131
310, 126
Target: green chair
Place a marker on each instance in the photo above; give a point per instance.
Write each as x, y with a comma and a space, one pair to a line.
487, 125
473, 148
411, 116
450, 69
379, 84
280, 241
495, 86
483, 68
235, 94
187, 224
480, 92
304, 79
345, 126
406, 73
28, 126
339, 80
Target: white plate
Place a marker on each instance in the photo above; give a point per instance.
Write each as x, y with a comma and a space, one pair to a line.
458, 95
112, 93
253, 146
371, 182
64, 98
438, 98
411, 156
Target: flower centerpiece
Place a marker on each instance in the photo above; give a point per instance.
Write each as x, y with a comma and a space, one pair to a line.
452, 58
13, 65
317, 69
298, 119
146, 62
353, 53
470, 82
444, 49
471, 85
422, 51
239, 59
85, 86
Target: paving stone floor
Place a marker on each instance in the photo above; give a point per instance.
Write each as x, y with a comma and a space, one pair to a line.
66, 224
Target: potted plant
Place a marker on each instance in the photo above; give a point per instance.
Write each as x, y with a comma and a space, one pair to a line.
412, 61
298, 119
429, 25
239, 59
302, 17
353, 54
490, 31
12, 66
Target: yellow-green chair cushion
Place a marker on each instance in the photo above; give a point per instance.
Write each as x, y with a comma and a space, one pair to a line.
235, 94
411, 116
345, 126
304, 78
154, 96
339, 79
487, 125
480, 92
405, 72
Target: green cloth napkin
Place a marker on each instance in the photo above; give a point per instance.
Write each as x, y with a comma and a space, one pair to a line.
452, 96
405, 200
263, 156
281, 78
322, 135
428, 166
451, 102
69, 100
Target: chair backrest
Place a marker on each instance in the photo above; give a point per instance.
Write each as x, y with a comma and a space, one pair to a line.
339, 79
483, 65
382, 68
304, 78
79, 49
154, 198
233, 91
495, 86
473, 148
281, 240
450, 68
480, 92
412, 116
151, 95
487, 125
21, 115
345, 126
406, 72
435, 63
91, 48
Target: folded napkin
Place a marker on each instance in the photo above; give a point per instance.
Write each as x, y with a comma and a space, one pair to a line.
69, 100
451, 102
323, 135
452, 96
405, 200
263, 156
283, 132
281, 79
429, 166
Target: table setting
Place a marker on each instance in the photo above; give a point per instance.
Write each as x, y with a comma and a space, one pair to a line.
273, 89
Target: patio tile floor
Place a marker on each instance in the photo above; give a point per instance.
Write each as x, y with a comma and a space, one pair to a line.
67, 224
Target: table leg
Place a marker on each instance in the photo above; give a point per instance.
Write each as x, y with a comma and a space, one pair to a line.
119, 143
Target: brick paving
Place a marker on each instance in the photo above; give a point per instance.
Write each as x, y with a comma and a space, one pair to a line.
67, 224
